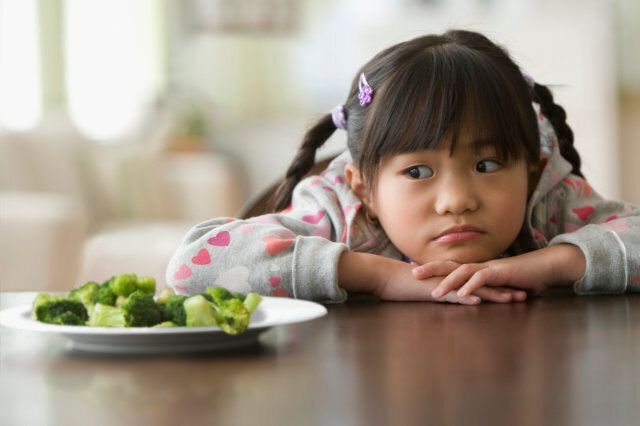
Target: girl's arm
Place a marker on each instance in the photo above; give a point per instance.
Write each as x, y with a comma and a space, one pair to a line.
607, 232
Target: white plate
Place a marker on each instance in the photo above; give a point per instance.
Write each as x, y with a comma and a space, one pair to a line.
272, 311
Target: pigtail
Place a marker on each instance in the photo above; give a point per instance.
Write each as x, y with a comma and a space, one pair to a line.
558, 118
303, 161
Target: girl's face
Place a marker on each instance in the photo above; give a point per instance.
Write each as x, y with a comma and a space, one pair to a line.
467, 206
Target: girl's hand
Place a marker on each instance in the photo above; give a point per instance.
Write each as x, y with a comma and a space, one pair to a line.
393, 280
390, 279
533, 272
400, 285
447, 267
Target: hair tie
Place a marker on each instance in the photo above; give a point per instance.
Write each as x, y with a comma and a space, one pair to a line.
338, 117
366, 92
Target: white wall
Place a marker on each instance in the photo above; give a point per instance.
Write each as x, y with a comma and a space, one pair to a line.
268, 90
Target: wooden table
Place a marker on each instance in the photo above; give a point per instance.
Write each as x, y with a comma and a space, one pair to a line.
559, 359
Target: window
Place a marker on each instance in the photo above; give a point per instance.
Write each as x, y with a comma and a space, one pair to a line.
111, 52
20, 87
112, 64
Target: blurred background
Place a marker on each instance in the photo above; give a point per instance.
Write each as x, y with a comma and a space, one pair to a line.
123, 123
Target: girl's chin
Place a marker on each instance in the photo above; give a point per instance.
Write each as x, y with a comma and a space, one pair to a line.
461, 258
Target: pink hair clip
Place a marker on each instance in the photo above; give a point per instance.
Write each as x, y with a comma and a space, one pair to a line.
366, 92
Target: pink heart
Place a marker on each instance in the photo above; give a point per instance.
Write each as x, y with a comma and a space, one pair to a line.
617, 225
584, 212
183, 272
221, 239
202, 258
314, 218
275, 245
571, 227
612, 217
274, 281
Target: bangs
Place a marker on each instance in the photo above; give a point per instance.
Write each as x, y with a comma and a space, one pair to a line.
441, 95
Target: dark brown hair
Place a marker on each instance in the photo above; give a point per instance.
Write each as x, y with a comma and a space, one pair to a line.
425, 91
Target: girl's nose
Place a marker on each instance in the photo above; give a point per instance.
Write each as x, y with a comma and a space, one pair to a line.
456, 196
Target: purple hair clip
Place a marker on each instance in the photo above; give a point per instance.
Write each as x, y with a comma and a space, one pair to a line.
366, 92
339, 119
530, 81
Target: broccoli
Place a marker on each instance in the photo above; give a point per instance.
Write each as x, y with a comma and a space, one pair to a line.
164, 296
140, 310
85, 294
146, 284
218, 294
128, 301
165, 324
106, 316
230, 314
234, 309
59, 310
104, 295
173, 310
199, 312
124, 284
233, 317
251, 301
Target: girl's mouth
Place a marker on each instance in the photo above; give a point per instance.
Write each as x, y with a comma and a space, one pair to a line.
459, 233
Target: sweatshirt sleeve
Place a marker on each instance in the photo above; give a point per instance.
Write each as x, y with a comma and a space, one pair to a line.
293, 253
607, 232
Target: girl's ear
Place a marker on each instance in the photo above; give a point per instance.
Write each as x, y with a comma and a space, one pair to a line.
356, 183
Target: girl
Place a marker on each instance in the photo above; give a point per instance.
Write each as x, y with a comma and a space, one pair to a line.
460, 184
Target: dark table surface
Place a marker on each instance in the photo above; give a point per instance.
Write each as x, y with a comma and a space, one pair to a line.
558, 359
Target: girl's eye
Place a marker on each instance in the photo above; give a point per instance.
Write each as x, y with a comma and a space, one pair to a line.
488, 166
419, 172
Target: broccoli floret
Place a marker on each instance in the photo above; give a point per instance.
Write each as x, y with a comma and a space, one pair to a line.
104, 295
146, 284
173, 310
234, 309
106, 316
164, 296
251, 301
124, 284
85, 294
165, 324
59, 310
140, 310
233, 317
199, 312
218, 294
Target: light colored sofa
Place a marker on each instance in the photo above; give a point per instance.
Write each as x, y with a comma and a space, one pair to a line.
73, 211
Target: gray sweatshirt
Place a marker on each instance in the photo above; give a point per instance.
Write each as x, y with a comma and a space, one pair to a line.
295, 253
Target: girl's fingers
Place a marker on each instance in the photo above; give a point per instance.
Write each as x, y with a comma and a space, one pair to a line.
434, 269
452, 297
500, 295
488, 276
455, 279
